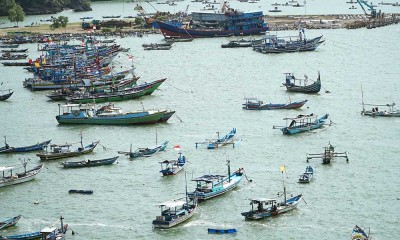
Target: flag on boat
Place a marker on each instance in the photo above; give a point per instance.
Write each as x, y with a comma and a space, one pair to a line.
177, 147
283, 168
130, 57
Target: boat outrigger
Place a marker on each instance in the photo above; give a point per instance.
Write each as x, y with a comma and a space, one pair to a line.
328, 154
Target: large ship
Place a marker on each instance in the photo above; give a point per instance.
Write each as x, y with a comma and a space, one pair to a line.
223, 23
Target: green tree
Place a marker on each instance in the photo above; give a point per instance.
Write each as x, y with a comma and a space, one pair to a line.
20, 14
59, 22
12, 14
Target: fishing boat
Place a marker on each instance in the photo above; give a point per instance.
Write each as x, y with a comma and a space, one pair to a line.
48, 233
34, 147
359, 234
16, 64
5, 94
276, 9
238, 43
119, 95
294, 84
175, 212
223, 23
84, 18
9, 56
145, 152
23, 236
112, 16
328, 154
18, 177
90, 163
172, 167
81, 191
264, 207
256, 104
108, 115
64, 150
9, 45
14, 50
209, 186
307, 175
273, 44
221, 231
157, 47
214, 143
303, 123
9, 222
376, 112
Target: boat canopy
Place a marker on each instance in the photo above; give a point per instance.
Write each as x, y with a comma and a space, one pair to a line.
301, 117
173, 203
208, 178
168, 161
262, 200
48, 230
2, 169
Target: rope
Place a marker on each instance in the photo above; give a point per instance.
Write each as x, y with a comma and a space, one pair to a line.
178, 88
178, 117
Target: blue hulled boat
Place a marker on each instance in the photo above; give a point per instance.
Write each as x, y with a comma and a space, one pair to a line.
256, 104
9, 222
359, 234
172, 167
35, 147
223, 23
24, 236
303, 123
209, 186
307, 175
146, 152
214, 143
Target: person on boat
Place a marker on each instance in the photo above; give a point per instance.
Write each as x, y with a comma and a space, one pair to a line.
7, 146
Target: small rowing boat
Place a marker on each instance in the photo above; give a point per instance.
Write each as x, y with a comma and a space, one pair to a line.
90, 163
256, 104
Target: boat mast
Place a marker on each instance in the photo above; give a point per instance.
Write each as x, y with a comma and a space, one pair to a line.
62, 225
228, 162
186, 192
283, 169
362, 99
81, 139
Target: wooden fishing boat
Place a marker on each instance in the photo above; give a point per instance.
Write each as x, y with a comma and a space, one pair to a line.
90, 163
328, 154
120, 95
172, 167
376, 112
81, 191
304, 87
35, 147
221, 231
166, 44
16, 64
238, 43
9, 45
9, 222
209, 186
214, 143
108, 115
5, 94
307, 175
9, 56
359, 234
64, 151
271, 207
14, 50
24, 236
303, 123
175, 212
256, 104
146, 152
19, 177
53, 233
112, 16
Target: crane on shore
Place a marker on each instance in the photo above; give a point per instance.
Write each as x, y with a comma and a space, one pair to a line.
373, 13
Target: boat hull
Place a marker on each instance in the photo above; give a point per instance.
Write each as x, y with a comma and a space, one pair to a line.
270, 106
165, 223
58, 155
176, 32
305, 128
90, 163
30, 175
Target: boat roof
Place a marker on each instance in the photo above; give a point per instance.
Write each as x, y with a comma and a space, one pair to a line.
251, 98
208, 178
303, 117
168, 161
265, 200
48, 229
172, 203
4, 168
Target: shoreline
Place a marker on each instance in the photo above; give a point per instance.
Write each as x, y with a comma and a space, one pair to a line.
276, 23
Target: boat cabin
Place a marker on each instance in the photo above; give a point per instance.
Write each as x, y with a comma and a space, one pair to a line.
301, 120
172, 208
261, 204
252, 102
209, 183
5, 169
59, 148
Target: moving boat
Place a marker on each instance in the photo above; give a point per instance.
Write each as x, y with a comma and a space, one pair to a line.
256, 104
294, 84
209, 186
214, 143
307, 175
81, 191
223, 23
265, 207
90, 163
